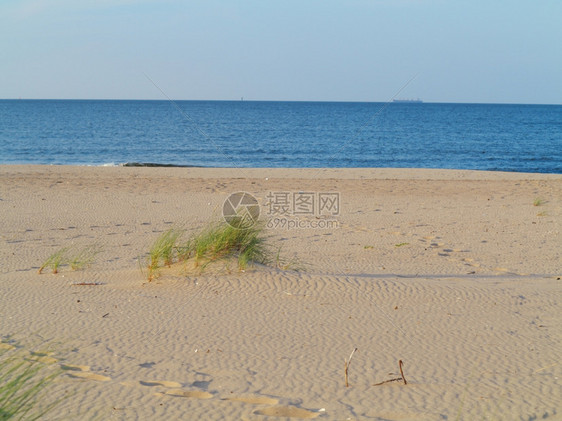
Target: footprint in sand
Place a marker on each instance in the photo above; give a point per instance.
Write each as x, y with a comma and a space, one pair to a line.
164, 383
256, 400
83, 372
287, 411
72, 367
197, 394
43, 357
176, 391
470, 262
274, 411
89, 376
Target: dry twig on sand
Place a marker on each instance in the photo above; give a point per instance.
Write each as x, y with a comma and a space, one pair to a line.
397, 379
347, 362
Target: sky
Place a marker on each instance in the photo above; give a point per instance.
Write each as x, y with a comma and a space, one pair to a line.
296, 50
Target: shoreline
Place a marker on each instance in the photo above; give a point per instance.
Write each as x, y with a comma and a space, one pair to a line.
454, 272
308, 173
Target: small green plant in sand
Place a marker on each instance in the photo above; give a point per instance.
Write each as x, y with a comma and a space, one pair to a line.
84, 257
78, 260
538, 202
55, 260
294, 263
163, 251
215, 242
22, 385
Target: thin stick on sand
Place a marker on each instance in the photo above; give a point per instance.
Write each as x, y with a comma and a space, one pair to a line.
400, 363
347, 362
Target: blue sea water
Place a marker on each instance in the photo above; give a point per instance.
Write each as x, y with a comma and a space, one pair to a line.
525, 138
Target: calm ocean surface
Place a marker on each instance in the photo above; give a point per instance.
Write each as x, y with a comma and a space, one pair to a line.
526, 138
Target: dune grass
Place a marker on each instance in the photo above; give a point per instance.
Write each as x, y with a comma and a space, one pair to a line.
218, 241
84, 257
163, 251
22, 383
221, 240
55, 260
77, 260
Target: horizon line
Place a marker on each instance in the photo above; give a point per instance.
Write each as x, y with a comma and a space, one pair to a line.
242, 99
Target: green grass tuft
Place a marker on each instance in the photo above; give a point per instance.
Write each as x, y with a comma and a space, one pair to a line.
55, 260
84, 257
221, 240
163, 251
538, 202
22, 383
79, 260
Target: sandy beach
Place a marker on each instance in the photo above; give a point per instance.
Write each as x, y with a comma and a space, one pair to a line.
456, 273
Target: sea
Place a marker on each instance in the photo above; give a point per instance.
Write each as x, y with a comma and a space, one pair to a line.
495, 137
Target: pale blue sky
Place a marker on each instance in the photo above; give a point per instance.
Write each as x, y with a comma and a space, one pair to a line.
318, 50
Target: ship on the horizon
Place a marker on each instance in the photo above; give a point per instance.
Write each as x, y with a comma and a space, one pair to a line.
408, 101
